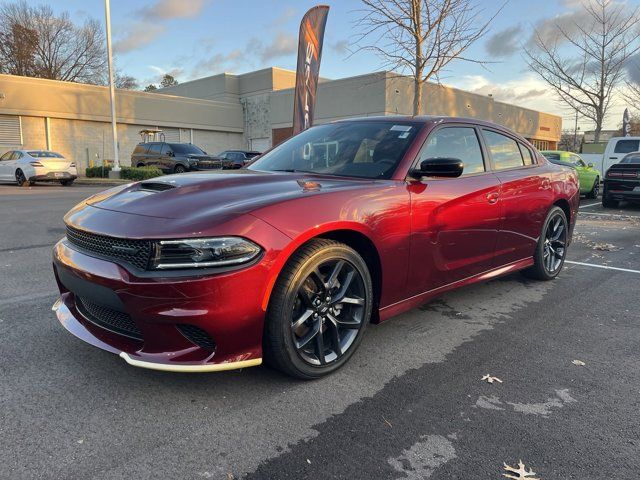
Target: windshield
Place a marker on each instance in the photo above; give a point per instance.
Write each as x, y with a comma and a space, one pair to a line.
186, 149
44, 154
354, 149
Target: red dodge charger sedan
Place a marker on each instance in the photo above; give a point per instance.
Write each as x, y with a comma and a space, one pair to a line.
289, 258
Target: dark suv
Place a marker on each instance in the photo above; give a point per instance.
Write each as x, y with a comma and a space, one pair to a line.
236, 158
173, 157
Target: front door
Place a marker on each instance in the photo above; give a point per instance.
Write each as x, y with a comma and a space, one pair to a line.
6, 167
455, 221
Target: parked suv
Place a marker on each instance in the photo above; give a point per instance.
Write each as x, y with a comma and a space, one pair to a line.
236, 158
173, 157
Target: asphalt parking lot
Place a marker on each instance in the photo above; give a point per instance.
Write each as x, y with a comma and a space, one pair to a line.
410, 404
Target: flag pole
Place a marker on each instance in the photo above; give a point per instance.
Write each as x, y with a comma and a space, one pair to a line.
112, 92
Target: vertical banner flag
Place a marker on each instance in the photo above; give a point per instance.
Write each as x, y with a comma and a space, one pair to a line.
626, 124
309, 53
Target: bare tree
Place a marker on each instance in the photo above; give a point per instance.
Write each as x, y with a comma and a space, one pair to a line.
17, 49
63, 50
126, 82
420, 36
585, 62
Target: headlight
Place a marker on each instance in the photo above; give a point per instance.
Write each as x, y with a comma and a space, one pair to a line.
203, 252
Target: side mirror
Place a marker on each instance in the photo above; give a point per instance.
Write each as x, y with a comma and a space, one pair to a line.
590, 165
170, 153
439, 167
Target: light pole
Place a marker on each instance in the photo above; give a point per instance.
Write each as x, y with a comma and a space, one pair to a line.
112, 92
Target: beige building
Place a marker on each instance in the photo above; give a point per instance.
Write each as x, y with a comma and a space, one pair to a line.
225, 111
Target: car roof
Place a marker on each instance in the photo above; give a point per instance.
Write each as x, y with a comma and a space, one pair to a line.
559, 151
432, 119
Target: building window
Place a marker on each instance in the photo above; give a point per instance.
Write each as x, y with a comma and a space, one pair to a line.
540, 144
10, 130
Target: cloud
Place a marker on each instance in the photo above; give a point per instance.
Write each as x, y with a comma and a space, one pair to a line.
527, 91
170, 9
282, 44
341, 47
218, 63
633, 68
553, 30
137, 36
505, 42
287, 15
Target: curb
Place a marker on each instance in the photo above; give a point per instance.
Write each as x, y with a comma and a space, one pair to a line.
100, 182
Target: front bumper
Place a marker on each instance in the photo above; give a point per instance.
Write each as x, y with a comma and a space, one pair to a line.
227, 307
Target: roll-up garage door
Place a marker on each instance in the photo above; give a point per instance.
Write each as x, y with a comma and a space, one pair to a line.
10, 130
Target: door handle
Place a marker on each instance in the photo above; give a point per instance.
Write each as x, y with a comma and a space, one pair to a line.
492, 197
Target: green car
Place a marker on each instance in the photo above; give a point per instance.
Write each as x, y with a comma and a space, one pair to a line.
589, 176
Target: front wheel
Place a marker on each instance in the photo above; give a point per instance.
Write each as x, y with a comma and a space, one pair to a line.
319, 310
552, 247
66, 183
179, 169
595, 190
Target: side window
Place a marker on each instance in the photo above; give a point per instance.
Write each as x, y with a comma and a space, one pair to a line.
166, 149
577, 161
154, 149
526, 154
223, 155
627, 146
6, 156
504, 150
455, 142
16, 156
139, 150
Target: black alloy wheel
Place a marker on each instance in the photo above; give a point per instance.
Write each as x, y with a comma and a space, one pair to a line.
551, 249
319, 310
179, 169
21, 179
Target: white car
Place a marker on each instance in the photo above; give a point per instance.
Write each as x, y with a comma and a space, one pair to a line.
29, 166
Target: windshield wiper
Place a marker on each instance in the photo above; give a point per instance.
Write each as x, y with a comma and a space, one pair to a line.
290, 170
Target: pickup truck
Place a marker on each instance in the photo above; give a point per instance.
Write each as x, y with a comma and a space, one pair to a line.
616, 148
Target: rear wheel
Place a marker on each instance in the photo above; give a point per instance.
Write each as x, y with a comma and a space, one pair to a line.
179, 169
140, 165
552, 247
595, 190
66, 183
319, 310
21, 179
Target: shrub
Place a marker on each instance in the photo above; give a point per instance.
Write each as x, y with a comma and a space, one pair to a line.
139, 173
127, 173
97, 172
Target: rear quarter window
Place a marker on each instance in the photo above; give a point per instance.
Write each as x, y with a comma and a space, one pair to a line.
627, 146
139, 150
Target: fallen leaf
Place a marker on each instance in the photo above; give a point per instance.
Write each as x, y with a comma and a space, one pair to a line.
580, 363
491, 379
308, 461
521, 471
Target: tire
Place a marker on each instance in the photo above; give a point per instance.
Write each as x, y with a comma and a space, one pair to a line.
300, 298
608, 202
179, 169
551, 249
140, 165
21, 180
593, 193
66, 183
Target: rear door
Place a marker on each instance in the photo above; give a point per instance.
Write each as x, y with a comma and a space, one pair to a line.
167, 160
153, 155
455, 221
525, 194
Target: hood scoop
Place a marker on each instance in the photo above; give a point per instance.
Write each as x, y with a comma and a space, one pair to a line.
156, 186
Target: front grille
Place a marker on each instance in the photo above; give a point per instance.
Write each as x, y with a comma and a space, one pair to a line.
198, 336
108, 318
132, 252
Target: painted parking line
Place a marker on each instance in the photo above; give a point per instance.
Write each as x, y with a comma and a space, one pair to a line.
604, 214
590, 205
605, 267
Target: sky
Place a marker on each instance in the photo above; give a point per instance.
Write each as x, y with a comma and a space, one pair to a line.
195, 38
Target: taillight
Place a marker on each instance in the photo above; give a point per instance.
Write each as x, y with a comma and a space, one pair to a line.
36, 164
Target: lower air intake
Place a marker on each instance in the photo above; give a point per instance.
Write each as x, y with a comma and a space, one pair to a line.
197, 336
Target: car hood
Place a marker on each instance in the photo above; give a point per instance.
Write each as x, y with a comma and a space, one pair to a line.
219, 193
